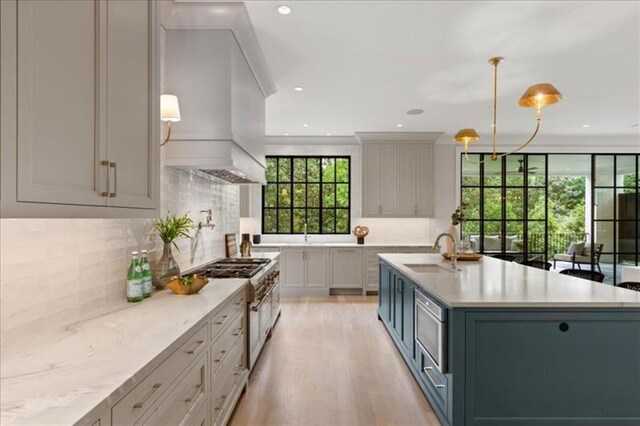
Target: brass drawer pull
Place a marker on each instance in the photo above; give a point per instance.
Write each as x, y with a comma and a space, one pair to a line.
193, 351
153, 390
195, 392
106, 163
115, 180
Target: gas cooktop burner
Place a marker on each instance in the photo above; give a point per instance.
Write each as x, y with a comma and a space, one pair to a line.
233, 268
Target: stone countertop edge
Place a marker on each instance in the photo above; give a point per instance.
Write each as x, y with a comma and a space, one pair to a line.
494, 283
340, 245
73, 374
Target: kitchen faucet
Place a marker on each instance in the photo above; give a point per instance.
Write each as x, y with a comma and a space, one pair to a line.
454, 255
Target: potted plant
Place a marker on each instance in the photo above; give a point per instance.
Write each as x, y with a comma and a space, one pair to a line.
170, 229
457, 217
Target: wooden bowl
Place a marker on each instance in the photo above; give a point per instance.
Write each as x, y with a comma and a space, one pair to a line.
177, 286
464, 256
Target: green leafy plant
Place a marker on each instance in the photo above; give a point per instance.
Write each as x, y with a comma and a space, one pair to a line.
458, 215
173, 227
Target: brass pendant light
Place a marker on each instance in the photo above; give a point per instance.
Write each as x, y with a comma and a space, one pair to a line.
537, 96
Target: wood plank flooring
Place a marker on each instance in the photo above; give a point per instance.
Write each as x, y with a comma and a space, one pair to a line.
331, 362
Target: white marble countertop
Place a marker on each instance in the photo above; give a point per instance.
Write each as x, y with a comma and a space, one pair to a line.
338, 245
495, 283
87, 366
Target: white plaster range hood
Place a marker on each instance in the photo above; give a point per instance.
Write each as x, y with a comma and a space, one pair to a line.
215, 66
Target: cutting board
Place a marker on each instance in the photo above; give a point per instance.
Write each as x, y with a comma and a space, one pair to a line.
231, 248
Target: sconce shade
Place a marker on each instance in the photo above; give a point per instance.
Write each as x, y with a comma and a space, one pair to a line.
466, 135
169, 108
540, 95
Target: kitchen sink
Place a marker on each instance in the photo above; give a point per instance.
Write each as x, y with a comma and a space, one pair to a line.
427, 267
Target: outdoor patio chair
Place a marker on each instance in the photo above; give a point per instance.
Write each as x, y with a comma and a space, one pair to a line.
582, 258
505, 257
631, 285
537, 264
587, 275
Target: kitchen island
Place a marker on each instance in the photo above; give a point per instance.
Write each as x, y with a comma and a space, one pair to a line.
497, 343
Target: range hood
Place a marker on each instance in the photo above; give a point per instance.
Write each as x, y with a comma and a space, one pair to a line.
214, 64
223, 159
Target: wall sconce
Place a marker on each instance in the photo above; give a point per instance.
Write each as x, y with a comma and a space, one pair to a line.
169, 113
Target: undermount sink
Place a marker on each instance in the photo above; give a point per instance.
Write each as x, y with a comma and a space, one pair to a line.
426, 267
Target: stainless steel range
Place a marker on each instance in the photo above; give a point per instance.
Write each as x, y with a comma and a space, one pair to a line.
263, 295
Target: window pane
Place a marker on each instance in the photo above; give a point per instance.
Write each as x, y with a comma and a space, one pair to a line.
514, 237
328, 170
470, 171
515, 203
313, 221
284, 195
492, 237
492, 172
270, 221
328, 195
271, 171
342, 195
284, 221
604, 235
535, 237
604, 170
628, 202
270, 195
342, 170
626, 170
342, 220
299, 195
313, 169
328, 220
604, 203
492, 203
515, 170
313, 195
536, 170
536, 201
471, 197
299, 170
284, 169
627, 237
298, 221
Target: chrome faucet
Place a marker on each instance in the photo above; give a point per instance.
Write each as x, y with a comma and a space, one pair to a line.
454, 255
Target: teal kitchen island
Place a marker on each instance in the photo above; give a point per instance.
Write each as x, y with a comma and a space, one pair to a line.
499, 343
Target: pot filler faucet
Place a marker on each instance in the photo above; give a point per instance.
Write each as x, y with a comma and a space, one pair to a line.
454, 255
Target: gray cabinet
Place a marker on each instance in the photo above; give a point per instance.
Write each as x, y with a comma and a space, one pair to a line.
80, 118
346, 268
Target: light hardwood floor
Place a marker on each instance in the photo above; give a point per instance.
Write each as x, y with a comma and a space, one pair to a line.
331, 362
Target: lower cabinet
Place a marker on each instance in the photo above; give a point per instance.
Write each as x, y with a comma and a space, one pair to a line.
346, 268
304, 270
200, 382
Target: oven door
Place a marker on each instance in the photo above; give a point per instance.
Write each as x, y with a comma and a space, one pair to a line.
431, 330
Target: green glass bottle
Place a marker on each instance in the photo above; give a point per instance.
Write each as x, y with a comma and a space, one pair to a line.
134, 280
146, 275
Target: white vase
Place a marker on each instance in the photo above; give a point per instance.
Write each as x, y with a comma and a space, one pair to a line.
455, 231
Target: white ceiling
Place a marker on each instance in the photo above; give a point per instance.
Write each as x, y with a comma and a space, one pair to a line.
363, 64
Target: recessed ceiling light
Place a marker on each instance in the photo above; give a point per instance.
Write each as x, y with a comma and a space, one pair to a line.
286, 134
328, 134
398, 125
415, 111
586, 125
284, 9
298, 89
305, 125
493, 125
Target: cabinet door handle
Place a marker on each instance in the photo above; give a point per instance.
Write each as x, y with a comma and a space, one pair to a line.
115, 180
145, 399
380, 208
194, 350
427, 371
195, 392
399, 287
106, 163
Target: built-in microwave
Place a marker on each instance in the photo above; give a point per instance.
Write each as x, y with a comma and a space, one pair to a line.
431, 329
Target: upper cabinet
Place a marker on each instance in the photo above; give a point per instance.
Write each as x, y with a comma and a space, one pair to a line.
79, 109
397, 177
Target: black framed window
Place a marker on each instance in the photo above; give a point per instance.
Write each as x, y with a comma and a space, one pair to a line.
307, 191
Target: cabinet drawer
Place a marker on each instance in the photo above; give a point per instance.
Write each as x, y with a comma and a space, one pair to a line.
225, 315
222, 348
190, 394
198, 418
227, 381
433, 379
131, 408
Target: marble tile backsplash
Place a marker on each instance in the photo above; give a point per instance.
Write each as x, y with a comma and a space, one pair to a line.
54, 272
